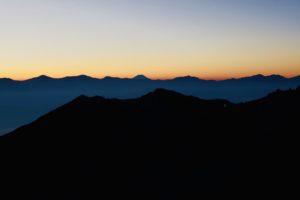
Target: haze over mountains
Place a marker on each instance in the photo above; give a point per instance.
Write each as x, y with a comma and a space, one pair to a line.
163, 145
23, 101
112, 87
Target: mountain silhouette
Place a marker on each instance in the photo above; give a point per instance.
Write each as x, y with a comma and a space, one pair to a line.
40, 79
22, 102
140, 77
187, 78
78, 78
6, 82
163, 145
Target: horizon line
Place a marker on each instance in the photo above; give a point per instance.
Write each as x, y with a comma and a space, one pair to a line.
153, 79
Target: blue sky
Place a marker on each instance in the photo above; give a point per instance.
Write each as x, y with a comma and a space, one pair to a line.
159, 38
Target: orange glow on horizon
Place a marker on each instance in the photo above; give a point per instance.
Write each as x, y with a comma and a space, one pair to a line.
154, 77
212, 40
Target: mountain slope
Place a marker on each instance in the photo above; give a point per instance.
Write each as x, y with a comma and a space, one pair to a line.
161, 146
140, 77
21, 102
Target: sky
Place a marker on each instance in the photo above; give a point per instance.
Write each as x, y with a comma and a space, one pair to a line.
211, 39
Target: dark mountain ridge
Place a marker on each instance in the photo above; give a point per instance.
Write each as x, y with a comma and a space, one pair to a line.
22, 102
236, 90
258, 77
141, 77
163, 145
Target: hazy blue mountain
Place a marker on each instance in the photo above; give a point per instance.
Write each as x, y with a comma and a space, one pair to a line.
297, 78
23, 101
40, 78
5, 80
140, 77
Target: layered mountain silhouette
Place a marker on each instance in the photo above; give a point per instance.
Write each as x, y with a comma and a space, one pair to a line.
22, 102
112, 87
141, 77
163, 145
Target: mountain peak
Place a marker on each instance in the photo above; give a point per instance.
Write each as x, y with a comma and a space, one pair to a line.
110, 78
186, 78
79, 77
257, 76
140, 77
261, 77
160, 92
6, 79
41, 77
83, 76
276, 77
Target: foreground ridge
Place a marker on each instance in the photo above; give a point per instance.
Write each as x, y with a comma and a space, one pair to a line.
163, 142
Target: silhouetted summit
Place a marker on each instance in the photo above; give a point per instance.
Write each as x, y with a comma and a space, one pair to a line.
163, 93
260, 78
187, 78
78, 78
140, 77
6, 81
276, 77
111, 78
40, 78
43, 77
163, 145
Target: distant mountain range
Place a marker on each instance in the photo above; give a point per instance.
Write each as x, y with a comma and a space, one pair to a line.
49, 82
23, 101
257, 77
235, 90
163, 145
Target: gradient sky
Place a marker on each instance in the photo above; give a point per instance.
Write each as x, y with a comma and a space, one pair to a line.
211, 39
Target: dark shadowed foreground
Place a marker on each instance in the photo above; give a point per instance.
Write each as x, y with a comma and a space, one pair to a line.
161, 146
